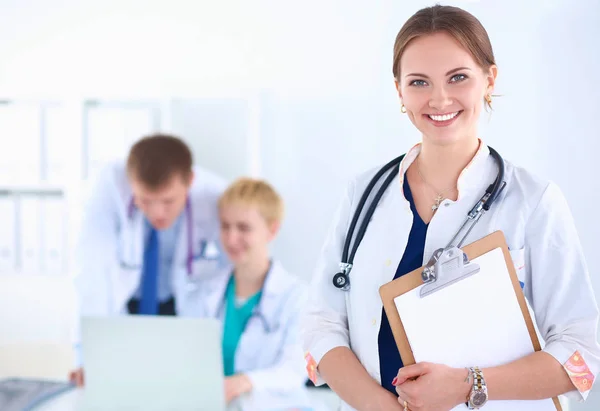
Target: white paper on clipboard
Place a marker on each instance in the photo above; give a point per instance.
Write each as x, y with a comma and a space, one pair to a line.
475, 321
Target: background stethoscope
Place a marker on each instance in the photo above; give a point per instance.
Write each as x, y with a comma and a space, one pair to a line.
189, 230
341, 280
256, 313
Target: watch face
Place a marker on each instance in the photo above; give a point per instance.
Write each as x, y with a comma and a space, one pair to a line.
478, 399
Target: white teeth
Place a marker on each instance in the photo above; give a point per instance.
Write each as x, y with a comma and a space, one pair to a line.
445, 117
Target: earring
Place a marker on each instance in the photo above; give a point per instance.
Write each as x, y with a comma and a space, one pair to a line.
403, 109
488, 99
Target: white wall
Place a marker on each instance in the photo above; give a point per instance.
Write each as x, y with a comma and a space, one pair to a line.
319, 73
219, 132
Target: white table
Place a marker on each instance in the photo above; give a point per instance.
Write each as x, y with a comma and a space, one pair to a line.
320, 400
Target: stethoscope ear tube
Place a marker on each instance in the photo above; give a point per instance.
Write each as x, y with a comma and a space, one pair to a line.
371, 210
341, 280
361, 205
498, 185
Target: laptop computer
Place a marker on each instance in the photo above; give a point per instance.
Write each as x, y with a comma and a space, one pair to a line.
152, 363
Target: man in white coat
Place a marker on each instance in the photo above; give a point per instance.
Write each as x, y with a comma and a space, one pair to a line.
150, 231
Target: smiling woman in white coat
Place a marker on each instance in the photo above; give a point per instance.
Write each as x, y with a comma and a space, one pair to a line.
445, 73
150, 232
257, 300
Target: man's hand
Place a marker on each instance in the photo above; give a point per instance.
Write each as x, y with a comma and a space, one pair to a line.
76, 377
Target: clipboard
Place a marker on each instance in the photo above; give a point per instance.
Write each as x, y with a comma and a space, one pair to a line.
422, 309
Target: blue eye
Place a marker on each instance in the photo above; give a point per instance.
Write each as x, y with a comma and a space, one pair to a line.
418, 83
457, 78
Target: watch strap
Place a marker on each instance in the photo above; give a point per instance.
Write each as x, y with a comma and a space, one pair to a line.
479, 384
478, 380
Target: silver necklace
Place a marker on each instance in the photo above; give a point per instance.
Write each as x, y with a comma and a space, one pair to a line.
440, 194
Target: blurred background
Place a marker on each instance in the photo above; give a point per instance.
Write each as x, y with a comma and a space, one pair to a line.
299, 93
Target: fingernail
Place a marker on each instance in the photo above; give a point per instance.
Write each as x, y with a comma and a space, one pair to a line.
394, 381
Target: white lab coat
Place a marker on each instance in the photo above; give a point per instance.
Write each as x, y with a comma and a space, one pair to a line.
111, 245
269, 351
539, 230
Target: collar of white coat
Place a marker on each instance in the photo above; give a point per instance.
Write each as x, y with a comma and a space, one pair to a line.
277, 284
468, 180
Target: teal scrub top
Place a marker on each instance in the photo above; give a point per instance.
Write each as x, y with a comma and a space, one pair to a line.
236, 318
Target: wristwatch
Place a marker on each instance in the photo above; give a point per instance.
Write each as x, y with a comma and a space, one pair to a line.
479, 394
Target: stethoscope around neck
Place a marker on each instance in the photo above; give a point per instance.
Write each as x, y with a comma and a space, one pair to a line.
341, 280
131, 209
256, 312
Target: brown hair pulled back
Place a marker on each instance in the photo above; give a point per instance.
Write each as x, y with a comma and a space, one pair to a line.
465, 28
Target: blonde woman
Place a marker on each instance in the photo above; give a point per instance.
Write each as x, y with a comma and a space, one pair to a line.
257, 300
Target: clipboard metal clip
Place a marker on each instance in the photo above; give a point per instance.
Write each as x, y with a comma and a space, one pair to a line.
446, 267
450, 264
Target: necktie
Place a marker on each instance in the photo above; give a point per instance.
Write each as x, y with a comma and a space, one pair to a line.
149, 300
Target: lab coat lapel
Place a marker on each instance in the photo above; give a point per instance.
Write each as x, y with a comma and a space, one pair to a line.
375, 264
137, 232
179, 267
265, 318
472, 183
127, 280
395, 222
475, 173
274, 288
214, 294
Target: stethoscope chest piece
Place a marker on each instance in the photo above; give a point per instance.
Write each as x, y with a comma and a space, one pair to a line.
341, 281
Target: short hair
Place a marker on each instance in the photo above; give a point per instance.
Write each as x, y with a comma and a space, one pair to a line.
255, 192
155, 159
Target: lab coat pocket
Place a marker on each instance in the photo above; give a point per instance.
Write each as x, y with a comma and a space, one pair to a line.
256, 343
251, 342
518, 258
